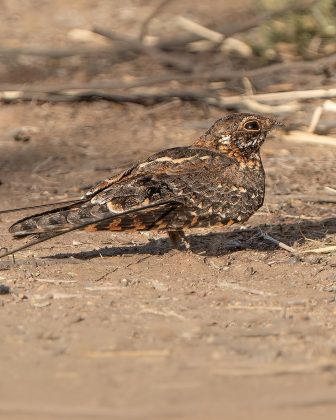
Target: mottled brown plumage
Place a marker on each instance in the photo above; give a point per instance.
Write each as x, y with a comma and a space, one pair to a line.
218, 180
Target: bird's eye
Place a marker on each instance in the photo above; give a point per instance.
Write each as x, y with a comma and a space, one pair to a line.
252, 126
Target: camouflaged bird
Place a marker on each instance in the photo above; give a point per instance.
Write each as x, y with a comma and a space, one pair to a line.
217, 181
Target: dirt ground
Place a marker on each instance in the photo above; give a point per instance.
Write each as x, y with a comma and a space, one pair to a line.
122, 325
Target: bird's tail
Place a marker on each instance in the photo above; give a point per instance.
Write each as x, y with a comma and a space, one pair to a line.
50, 221
86, 216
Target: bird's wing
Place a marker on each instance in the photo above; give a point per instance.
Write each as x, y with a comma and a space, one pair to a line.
166, 174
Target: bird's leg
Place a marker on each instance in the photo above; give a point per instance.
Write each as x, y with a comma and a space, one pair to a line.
179, 239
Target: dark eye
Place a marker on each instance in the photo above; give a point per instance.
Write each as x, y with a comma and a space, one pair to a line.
252, 125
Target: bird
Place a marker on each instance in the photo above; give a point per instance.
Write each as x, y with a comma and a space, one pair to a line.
218, 180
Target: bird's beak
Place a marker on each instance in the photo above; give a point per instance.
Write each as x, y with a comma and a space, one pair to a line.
278, 124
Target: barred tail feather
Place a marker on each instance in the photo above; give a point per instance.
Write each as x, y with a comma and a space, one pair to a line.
54, 220
162, 209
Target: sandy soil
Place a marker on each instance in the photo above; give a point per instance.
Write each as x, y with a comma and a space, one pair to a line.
122, 326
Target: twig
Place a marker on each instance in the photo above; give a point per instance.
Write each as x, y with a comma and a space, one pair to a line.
212, 37
254, 307
161, 56
129, 353
213, 76
322, 250
54, 281
235, 286
139, 98
251, 102
278, 243
304, 137
247, 86
199, 30
162, 313
285, 96
145, 98
329, 106
315, 119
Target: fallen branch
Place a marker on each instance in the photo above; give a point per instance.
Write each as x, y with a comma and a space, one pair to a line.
322, 250
212, 76
145, 98
305, 137
233, 101
285, 96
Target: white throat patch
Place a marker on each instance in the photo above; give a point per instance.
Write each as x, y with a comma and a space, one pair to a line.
225, 139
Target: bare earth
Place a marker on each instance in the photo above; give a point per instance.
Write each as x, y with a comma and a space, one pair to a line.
121, 325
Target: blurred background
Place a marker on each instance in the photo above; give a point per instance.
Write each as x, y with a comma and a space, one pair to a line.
84, 76
121, 326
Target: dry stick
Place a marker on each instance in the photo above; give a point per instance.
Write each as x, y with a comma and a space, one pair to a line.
236, 286
218, 75
144, 99
200, 30
154, 52
214, 40
304, 137
149, 99
315, 119
322, 250
227, 101
284, 96
280, 244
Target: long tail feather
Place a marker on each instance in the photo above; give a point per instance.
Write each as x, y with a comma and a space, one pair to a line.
172, 206
40, 206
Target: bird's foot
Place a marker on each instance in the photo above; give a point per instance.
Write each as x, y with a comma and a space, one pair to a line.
179, 240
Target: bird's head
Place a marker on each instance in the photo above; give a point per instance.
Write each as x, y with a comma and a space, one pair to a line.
240, 133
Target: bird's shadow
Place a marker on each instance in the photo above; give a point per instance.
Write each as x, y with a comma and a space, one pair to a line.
222, 243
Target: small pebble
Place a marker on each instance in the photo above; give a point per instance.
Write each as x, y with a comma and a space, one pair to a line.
124, 282
4, 290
